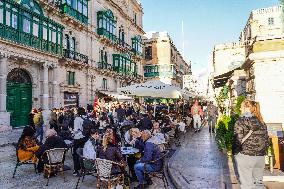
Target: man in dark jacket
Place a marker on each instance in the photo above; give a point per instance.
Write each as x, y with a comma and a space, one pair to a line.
52, 141
120, 114
145, 123
151, 153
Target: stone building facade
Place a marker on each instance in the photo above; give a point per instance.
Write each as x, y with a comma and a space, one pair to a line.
163, 61
261, 65
59, 53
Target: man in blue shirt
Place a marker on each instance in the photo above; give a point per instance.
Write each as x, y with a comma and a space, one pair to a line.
151, 153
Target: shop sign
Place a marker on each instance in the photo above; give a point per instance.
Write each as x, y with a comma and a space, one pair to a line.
275, 130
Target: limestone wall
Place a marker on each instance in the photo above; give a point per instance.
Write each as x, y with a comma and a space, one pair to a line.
269, 82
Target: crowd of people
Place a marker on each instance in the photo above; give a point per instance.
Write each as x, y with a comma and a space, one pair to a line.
102, 130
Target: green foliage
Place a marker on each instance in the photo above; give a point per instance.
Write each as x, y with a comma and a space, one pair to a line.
223, 95
237, 108
225, 132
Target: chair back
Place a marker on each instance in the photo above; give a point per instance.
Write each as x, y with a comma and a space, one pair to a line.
104, 167
56, 155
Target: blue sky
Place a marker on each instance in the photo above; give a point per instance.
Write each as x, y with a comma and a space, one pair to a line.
206, 22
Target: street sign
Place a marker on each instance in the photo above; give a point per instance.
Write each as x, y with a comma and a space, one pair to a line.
275, 130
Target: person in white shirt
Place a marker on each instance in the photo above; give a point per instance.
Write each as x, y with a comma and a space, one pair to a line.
131, 135
79, 138
90, 147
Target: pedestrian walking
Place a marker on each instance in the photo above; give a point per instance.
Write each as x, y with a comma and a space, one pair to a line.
212, 113
196, 112
250, 145
79, 138
38, 121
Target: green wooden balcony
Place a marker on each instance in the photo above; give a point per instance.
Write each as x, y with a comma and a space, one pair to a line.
14, 35
67, 9
107, 34
75, 56
166, 70
105, 65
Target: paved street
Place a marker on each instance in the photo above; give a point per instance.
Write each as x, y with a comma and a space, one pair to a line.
199, 164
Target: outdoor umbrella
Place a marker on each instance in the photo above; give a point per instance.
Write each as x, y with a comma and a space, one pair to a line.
153, 89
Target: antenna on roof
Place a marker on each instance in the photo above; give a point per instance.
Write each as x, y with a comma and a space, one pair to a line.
182, 31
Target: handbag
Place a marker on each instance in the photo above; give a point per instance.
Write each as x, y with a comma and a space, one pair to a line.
247, 136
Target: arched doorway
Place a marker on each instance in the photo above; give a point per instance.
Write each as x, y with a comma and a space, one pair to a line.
19, 97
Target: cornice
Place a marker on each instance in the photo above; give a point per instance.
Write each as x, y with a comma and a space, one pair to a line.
116, 6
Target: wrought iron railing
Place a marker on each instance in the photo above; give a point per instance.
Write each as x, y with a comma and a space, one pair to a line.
75, 56
105, 65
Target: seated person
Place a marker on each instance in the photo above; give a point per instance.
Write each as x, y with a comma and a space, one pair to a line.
151, 153
145, 123
111, 152
90, 147
131, 135
180, 123
52, 141
27, 145
116, 140
156, 128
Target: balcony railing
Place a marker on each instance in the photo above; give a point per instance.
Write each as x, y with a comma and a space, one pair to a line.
67, 9
104, 65
123, 44
14, 35
75, 56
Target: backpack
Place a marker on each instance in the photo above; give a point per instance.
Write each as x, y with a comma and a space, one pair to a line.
87, 126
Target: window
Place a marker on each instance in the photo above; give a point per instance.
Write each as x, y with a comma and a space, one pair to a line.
104, 84
148, 53
106, 24
121, 35
71, 78
270, 21
135, 18
137, 45
1, 13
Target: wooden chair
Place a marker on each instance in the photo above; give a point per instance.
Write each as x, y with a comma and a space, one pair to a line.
88, 166
19, 163
55, 162
158, 174
104, 173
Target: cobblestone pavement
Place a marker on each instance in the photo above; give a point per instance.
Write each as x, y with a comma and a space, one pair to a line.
198, 164
26, 178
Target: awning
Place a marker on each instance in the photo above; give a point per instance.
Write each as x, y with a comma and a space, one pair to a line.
119, 97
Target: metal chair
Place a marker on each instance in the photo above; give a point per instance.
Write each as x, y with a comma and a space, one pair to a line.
104, 173
88, 166
55, 162
19, 163
158, 174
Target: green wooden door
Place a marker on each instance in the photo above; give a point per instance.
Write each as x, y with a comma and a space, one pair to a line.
19, 103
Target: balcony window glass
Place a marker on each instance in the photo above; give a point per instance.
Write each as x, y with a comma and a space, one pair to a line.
36, 27
68, 2
85, 10
14, 21
26, 25
1, 13
8, 18
72, 44
80, 7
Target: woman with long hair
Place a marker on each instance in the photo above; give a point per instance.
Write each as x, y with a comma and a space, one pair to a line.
110, 152
250, 145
